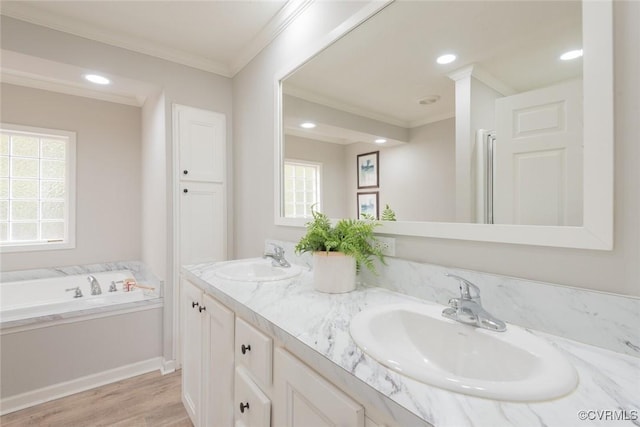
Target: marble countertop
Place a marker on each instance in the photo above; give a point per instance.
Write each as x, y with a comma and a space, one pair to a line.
294, 313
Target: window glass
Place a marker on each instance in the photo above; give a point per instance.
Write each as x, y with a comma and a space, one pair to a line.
301, 188
36, 191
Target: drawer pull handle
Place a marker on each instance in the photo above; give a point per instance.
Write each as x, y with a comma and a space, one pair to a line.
202, 308
194, 304
185, 172
185, 190
245, 348
244, 406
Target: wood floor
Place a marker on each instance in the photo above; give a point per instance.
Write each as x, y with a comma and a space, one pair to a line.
150, 400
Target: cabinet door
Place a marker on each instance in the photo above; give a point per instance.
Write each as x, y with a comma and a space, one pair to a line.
191, 298
202, 219
218, 364
202, 140
305, 399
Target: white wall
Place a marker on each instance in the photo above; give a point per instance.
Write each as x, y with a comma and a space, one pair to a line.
417, 179
254, 125
154, 184
332, 158
108, 192
179, 84
613, 271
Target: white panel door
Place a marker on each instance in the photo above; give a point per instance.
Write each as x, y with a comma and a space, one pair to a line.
538, 157
191, 298
218, 370
202, 227
202, 144
305, 399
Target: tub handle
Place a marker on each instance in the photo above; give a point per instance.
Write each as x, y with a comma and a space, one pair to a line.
78, 292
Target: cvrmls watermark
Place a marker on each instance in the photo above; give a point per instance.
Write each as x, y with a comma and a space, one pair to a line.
608, 415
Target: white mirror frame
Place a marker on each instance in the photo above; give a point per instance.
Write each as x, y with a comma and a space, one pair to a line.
597, 229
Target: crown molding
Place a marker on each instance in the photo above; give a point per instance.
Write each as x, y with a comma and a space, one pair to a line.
285, 16
348, 108
310, 96
20, 78
432, 119
483, 76
275, 26
25, 12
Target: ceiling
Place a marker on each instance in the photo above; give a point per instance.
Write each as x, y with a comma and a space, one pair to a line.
385, 66
380, 70
216, 36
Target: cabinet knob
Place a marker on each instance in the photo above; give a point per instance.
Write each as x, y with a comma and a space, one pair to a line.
185, 172
194, 304
244, 406
185, 190
245, 348
202, 308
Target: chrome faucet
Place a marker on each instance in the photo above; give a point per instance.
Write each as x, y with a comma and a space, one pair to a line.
277, 257
468, 308
95, 286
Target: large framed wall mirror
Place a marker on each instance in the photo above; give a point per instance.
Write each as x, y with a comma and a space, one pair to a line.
507, 139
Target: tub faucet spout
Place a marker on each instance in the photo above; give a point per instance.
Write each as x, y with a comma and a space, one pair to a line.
77, 292
95, 286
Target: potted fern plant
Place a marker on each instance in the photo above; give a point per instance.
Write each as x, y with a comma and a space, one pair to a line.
339, 251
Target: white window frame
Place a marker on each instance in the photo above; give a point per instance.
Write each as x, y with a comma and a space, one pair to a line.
69, 240
317, 165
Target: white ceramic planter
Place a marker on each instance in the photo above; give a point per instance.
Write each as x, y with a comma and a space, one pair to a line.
334, 272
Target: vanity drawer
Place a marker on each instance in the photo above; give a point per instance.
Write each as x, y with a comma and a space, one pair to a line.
254, 351
252, 407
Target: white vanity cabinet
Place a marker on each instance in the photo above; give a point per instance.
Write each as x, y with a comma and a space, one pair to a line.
236, 375
207, 358
304, 399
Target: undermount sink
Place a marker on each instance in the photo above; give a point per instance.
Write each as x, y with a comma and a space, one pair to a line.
415, 340
256, 270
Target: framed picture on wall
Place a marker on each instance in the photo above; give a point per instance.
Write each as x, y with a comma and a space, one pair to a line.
368, 170
368, 204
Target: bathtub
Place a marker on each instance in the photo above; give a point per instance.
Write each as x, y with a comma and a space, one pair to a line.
28, 299
55, 345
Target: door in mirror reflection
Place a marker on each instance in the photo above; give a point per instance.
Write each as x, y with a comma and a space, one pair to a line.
538, 157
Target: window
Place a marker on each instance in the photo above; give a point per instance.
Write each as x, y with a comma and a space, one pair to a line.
301, 188
37, 188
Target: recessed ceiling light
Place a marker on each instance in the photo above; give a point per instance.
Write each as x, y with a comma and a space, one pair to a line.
97, 79
572, 54
307, 125
380, 141
446, 59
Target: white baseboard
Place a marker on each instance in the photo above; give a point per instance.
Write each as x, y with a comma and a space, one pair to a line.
168, 366
56, 391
